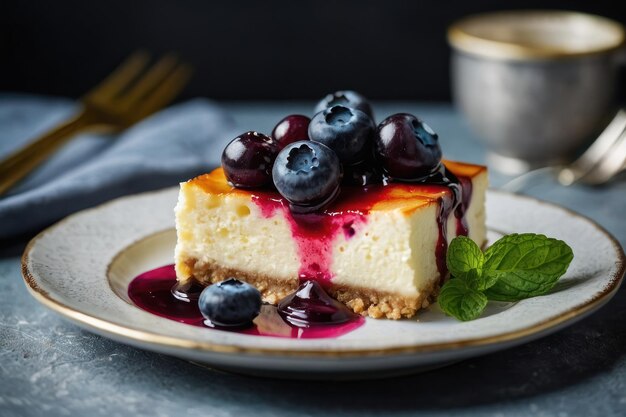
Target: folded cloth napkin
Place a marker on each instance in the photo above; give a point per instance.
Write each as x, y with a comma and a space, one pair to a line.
168, 147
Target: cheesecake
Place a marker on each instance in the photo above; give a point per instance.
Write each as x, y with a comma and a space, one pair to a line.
379, 249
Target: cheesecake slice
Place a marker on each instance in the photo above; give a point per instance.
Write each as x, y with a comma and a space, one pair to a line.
379, 249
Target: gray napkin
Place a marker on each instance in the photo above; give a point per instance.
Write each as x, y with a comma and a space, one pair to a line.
170, 146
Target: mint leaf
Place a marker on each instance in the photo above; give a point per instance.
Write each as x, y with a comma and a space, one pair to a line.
463, 256
525, 265
458, 299
474, 280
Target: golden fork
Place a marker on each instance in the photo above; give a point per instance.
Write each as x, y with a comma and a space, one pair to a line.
126, 96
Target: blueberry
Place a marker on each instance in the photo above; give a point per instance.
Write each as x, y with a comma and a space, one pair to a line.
345, 130
247, 160
230, 303
308, 175
345, 98
291, 129
407, 148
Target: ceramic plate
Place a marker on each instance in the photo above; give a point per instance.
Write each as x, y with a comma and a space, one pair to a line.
81, 268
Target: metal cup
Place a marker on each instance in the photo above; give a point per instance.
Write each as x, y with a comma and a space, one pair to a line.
535, 85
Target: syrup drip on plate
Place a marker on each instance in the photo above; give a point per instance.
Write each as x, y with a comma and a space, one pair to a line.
158, 292
311, 306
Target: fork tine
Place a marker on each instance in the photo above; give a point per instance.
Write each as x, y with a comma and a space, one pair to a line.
155, 75
121, 77
166, 91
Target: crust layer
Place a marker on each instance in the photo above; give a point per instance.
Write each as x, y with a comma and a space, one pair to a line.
364, 301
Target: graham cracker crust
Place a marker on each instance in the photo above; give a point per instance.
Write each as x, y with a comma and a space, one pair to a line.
363, 301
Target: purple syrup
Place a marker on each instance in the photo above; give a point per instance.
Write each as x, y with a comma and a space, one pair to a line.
188, 292
446, 205
462, 228
311, 306
457, 202
152, 291
158, 292
314, 233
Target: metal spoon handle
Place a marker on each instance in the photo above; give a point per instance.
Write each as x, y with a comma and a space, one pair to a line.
613, 163
596, 152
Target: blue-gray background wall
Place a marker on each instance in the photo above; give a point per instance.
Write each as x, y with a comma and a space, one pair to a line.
248, 49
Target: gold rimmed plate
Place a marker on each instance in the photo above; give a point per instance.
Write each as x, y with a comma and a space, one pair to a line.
81, 268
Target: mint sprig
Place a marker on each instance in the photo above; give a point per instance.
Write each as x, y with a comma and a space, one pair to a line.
516, 267
458, 296
464, 256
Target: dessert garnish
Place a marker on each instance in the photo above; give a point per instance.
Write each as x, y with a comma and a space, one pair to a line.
230, 303
310, 305
407, 148
291, 129
341, 144
157, 291
308, 175
516, 267
346, 98
347, 131
247, 160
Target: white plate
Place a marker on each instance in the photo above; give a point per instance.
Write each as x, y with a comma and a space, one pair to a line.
78, 266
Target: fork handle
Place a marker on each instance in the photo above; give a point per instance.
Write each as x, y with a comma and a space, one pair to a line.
26, 159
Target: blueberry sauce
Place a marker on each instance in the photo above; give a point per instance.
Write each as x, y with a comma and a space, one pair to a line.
154, 290
157, 292
311, 306
189, 292
314, 233
462, 228
455, 202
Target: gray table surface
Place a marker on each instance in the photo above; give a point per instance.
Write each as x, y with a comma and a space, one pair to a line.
50, 367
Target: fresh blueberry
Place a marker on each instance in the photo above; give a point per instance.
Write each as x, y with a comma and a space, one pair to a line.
345, 130
247, 160
345, 98
291, 129
407, 148
308, 175
230, 303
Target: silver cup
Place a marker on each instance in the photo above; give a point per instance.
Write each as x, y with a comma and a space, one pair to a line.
535, 86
